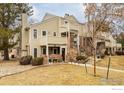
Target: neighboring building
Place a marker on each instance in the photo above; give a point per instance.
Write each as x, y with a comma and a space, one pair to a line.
104, 41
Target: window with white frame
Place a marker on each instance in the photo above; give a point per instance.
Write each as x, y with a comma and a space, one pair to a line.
35, 33
54, 34
43, 33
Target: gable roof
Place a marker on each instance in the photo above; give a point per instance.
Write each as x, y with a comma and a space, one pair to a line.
48, 16
72, 18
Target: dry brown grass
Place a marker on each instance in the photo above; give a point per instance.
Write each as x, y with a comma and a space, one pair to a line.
62, 75
117, 62
9, 63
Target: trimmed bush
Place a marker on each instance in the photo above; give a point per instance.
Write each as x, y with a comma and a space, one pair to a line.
60, 60
25, 60
37, 61
102, 55
79, 58
82, 59
119, 53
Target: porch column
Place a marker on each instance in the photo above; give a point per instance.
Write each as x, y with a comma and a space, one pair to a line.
60, 51
68, 43
47, 47
67, 40
78, 41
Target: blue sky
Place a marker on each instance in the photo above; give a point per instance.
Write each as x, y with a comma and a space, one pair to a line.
58, 9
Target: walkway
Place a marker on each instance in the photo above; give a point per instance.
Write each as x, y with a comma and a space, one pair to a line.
13, 68
98, 67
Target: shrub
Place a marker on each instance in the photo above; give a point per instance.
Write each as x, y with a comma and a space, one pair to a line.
106, 52
55, 60
82, 59
59, 60
50, 60
119, 53
37, 61
25, 60
102, 55
72, 54
78, 58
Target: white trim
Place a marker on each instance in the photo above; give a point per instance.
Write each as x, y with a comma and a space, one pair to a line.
41, 33
47, 50
36, 33
78, 40
32, 52
30, 46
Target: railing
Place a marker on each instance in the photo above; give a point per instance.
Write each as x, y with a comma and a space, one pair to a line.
53, 57
57, 40
53, 40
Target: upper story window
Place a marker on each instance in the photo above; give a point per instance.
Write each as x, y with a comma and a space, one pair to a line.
35, 33
54, 34
63, 34
43, 33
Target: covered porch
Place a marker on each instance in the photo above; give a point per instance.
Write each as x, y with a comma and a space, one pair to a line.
53, 53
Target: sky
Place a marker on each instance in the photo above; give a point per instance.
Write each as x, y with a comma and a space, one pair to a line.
59, 9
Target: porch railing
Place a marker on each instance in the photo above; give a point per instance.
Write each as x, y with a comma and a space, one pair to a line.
54, 57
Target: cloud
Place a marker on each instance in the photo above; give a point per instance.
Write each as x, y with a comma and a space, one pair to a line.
58, 9
36, 17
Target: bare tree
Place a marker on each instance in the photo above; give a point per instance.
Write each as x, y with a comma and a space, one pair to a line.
101, 18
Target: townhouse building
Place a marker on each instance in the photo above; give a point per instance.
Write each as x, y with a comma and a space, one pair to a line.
56, 35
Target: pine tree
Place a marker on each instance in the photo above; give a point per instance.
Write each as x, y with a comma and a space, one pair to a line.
10, 15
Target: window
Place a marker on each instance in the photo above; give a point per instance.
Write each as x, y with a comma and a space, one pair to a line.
43, 33
50, 50
63, 34
55, 51
43, 50
54, 34
35, 52
35, 34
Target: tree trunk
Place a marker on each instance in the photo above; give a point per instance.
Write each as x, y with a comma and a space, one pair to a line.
6, 54
94, 55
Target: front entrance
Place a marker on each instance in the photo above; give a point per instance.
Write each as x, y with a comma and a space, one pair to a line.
63, 54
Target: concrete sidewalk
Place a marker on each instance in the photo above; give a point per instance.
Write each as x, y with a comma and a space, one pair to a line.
7, 69
98, 67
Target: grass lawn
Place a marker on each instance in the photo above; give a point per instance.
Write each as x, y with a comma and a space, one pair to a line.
8, 63
63, 74
117, 62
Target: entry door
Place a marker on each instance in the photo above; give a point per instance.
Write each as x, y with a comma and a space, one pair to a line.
35, 52
63, 54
